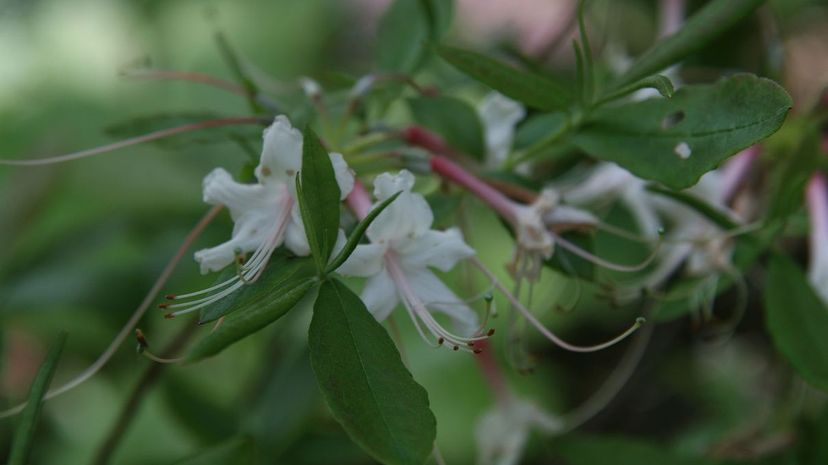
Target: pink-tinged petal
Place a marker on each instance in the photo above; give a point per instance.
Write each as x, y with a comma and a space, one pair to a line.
438, 249
817, 199
380, 295
437, 296
281, 153
735, 171
406, 217
365, 261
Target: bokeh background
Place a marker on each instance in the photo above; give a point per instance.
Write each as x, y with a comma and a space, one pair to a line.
81, 243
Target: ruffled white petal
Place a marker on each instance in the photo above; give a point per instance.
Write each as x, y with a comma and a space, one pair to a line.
365, 261
499, 115
437, 296
439, 249
219, 188
407, 217
281, 153
380, 295
344, 175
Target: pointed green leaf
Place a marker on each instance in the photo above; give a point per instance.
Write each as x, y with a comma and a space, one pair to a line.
715, 18
532, 89
797, 320
658, 82
283, 272
675, 141
319, 198
453, 119
23, 441
363, 380
270, 304
359, 231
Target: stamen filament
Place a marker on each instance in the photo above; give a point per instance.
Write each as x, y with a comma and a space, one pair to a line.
600, 261
543, 329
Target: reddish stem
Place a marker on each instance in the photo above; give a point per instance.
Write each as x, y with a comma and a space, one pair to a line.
457, 174
491, 371
358, 200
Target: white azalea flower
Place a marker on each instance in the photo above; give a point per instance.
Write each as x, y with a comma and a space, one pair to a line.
266, 214
817, 197
499, 115
397, 264
502, 432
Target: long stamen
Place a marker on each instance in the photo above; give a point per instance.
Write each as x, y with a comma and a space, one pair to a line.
143, 349
156, 135
248, 273
420, 314
136, 316
543, 329
600, 261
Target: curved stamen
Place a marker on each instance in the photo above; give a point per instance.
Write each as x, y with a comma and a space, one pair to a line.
143, 349
602, 262
133, 320
420, 314
156, 135
543, 329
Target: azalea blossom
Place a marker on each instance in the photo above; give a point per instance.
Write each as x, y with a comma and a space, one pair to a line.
817, 199
499, 115
265, 214
398, 264
503, 431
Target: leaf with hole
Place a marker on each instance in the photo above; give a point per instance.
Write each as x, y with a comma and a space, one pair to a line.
675, 141
797, 320
362, 378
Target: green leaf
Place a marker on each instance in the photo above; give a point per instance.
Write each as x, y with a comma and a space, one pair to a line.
404, 32
319, 198
658, 82
715, 18
364, 381
797, 320
270, 304
283, 272
455, 120
239, 451
532, 89
623, 451
675, 141
23, 441
359, 231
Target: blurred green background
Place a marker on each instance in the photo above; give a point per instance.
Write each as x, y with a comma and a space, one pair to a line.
81, 243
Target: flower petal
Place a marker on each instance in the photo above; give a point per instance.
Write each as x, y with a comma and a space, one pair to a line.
440, 249
365, 261
296, 239
281, 153
344, 175
380, 295
219, 188
407, 217
437, 296
499, 115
